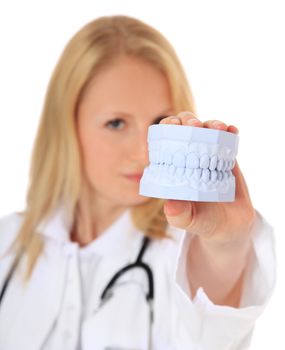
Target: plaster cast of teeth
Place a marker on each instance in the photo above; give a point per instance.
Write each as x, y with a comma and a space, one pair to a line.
190, 163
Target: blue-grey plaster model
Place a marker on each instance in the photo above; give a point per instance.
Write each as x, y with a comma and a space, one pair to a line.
190, 163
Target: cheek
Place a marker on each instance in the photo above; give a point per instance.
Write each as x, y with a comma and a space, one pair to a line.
99, 155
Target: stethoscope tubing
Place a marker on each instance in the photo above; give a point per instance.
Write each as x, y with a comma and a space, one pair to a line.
107, 290
137, 264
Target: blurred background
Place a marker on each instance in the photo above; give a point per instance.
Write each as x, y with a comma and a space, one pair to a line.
233, 53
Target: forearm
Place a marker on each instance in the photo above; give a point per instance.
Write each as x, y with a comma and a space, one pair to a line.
218, 268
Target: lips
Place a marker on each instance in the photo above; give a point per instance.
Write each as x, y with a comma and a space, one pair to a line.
134, 177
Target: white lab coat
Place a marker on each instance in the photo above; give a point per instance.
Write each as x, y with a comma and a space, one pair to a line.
47, 313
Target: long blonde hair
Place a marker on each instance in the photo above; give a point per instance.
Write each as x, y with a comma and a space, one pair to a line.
56, 175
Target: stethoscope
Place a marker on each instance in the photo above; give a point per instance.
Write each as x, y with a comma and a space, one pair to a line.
108, 290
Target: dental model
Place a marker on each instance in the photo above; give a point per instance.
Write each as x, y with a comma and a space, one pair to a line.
190, 163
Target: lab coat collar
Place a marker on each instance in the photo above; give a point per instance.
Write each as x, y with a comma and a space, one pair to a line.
118, 236
56, 226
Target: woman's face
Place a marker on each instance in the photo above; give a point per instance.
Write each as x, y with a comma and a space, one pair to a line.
114, 114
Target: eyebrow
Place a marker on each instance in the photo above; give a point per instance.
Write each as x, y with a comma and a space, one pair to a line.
165, 112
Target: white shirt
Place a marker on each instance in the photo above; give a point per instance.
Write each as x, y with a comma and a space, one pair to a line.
59, 308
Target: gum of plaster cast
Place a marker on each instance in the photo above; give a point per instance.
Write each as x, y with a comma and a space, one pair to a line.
190, 163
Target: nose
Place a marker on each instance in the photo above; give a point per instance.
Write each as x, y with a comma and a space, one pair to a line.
139, 148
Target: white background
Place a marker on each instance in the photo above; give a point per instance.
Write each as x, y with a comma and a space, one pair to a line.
233, 53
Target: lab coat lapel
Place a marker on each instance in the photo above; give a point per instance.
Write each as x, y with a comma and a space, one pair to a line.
27, 314
122, 322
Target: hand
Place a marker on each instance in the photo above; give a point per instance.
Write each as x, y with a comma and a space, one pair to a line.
216, 221
221, 244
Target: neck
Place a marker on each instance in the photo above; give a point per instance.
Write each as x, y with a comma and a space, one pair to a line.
103, 217
93, 218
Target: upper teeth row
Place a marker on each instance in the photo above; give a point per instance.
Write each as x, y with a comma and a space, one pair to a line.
191, 160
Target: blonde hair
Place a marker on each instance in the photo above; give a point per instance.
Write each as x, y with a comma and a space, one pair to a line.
56, 175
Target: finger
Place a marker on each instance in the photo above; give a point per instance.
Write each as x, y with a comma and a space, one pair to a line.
178, 213
187, 114
241, 186
215, 124
171, 120
242, 196
186, 120
189, 118
233, 129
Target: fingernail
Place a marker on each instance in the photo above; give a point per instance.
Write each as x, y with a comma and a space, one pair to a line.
236, 130
174, 120
217, 123
192, 121
174, 207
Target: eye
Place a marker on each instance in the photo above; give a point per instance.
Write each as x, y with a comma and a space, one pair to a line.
159, 119
115, 124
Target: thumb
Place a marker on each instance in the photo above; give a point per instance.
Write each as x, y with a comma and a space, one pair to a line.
178, 213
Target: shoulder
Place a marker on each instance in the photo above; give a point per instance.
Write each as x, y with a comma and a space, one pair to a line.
9, 227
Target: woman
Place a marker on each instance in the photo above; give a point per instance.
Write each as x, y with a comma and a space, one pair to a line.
212, 263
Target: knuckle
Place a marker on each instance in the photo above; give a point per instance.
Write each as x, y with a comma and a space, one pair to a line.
166, 120
185, 118
186, 114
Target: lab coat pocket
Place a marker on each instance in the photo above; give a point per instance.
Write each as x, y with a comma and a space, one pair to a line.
122, 322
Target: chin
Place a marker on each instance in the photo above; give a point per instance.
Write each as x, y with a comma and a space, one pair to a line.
136, 200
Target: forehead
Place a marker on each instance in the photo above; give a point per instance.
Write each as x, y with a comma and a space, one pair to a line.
128, 82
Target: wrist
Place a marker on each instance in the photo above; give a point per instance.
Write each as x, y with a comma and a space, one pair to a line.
219, 269
232, 237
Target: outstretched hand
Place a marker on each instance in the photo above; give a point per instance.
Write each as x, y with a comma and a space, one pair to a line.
221, 242
218, 221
